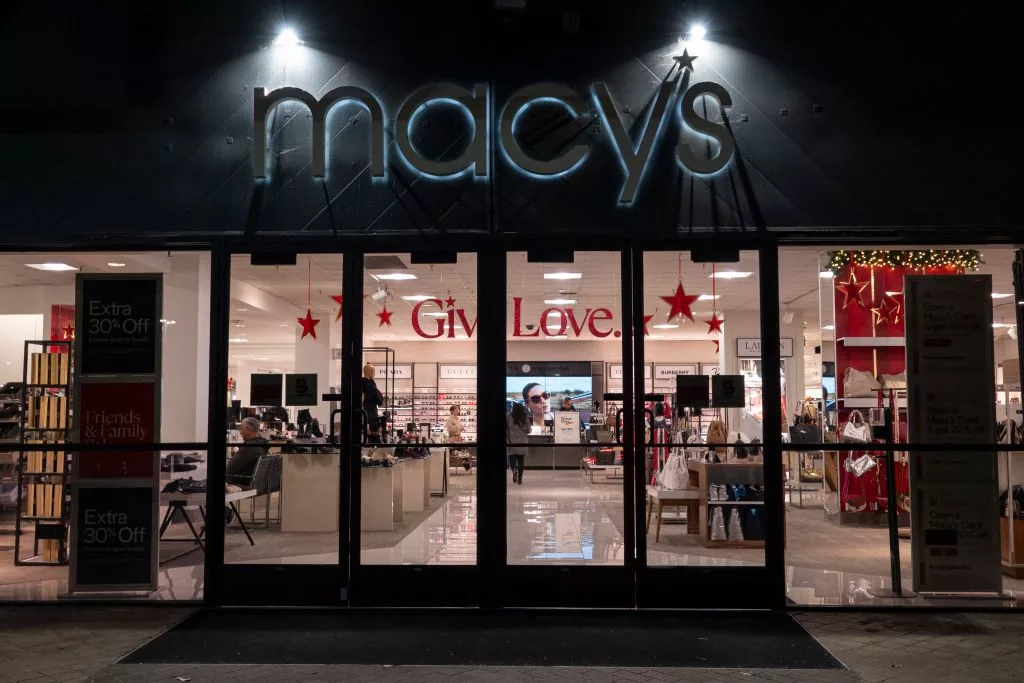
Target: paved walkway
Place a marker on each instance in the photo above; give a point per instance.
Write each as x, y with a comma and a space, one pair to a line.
82, 643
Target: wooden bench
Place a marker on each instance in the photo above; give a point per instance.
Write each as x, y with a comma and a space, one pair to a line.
687, 498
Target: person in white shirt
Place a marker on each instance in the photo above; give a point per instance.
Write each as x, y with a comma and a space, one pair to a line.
453, 425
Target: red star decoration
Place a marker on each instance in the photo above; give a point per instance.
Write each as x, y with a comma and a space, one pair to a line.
337, 298
309, 324
69, 332
715, 324
852, 290
680, 303
885, 311
385, 316
896, 307
647, 319
718, 345
450, 302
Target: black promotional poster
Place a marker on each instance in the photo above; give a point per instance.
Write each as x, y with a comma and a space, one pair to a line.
118, 325
114, 541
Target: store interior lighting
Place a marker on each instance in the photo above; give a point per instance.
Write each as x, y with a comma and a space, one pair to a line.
287, 38
562, 276
730, 275
53, 267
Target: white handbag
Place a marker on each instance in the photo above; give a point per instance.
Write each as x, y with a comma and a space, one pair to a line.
674, 475
898, 381
859, 383
856, 430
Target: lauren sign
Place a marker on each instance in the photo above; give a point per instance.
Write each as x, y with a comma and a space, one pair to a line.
477, 103
750, 347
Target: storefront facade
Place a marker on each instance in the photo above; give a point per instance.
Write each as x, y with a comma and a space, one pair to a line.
546, 179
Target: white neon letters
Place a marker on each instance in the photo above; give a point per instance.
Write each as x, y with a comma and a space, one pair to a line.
635, 159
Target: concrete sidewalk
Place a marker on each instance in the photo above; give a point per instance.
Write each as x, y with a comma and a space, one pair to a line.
83, 643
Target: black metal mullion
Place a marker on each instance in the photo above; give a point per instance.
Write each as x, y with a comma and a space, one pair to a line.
630, 461
350, 471
771, 387
216, 456
637, 499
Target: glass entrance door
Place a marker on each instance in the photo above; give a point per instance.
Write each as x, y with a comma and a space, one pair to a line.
568, 398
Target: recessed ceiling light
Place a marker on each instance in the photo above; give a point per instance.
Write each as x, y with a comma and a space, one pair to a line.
562, 276
436, 314
241, 310
1000, 295
665, 326
284, 325
559, 336
828, 327
730, 275
1001, 325
709, 297
55, 267
560, 302
826, 274
395, 276
238, 340
286, 38
697, 32
116, 264
418, 297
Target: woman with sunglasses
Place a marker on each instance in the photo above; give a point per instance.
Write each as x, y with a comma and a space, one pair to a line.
538, 403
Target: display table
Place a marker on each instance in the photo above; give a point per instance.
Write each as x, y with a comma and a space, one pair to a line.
612, 472
310, 484
686, 498
542, 454
703, 474
177, 503
381, 497
416, 484
439, 473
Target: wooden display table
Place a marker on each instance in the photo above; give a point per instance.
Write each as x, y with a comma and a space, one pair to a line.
687, 498
703, 474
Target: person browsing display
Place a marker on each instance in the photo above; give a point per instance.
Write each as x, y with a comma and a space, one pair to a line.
453, 425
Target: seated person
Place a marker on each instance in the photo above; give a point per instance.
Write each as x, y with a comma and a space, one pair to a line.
243, 462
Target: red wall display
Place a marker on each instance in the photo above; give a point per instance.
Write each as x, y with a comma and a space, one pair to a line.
117, 413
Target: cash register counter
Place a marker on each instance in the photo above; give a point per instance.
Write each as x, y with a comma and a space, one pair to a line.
541, 454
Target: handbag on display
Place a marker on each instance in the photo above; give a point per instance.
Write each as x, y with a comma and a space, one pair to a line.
897, 381
735, 525
718, 525
674, 475
752, 528
861, 466
856, 430
859, 383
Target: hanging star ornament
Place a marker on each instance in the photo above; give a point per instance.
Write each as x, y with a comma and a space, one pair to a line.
680, 303
685, 61
450, 302
895, 300
309, 324
714, 324
385, 316
852, 290
337, 298
69, 332
647, 319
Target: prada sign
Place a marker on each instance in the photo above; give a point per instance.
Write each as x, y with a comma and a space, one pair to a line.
476, 104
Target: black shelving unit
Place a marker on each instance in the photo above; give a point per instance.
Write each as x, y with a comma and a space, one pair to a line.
52, 527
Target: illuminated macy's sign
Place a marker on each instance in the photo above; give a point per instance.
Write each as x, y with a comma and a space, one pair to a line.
476, 104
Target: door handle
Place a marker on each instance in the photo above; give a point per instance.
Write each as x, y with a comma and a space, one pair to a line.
618, 425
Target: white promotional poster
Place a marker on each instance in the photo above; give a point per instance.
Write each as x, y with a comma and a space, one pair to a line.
954, 496
567, 427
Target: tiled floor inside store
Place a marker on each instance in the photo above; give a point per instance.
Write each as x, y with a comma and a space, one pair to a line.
554, 518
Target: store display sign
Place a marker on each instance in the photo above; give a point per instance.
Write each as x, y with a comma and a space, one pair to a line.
950, 395
727, 391
567, 426
118, 324
113, 539
456, 372
300, 390
397, 371
115, 493
117, 413
750, 347
670, 371
691, 391
710, 369
615, 371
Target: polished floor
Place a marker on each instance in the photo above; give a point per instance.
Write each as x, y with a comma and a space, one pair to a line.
554, 518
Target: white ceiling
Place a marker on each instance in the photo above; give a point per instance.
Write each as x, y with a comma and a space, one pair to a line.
267, 300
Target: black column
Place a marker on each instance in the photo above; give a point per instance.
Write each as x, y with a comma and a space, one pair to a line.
771, 388
490, 354
216, 426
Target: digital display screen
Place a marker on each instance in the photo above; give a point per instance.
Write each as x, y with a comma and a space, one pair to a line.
579, 390
265, 389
